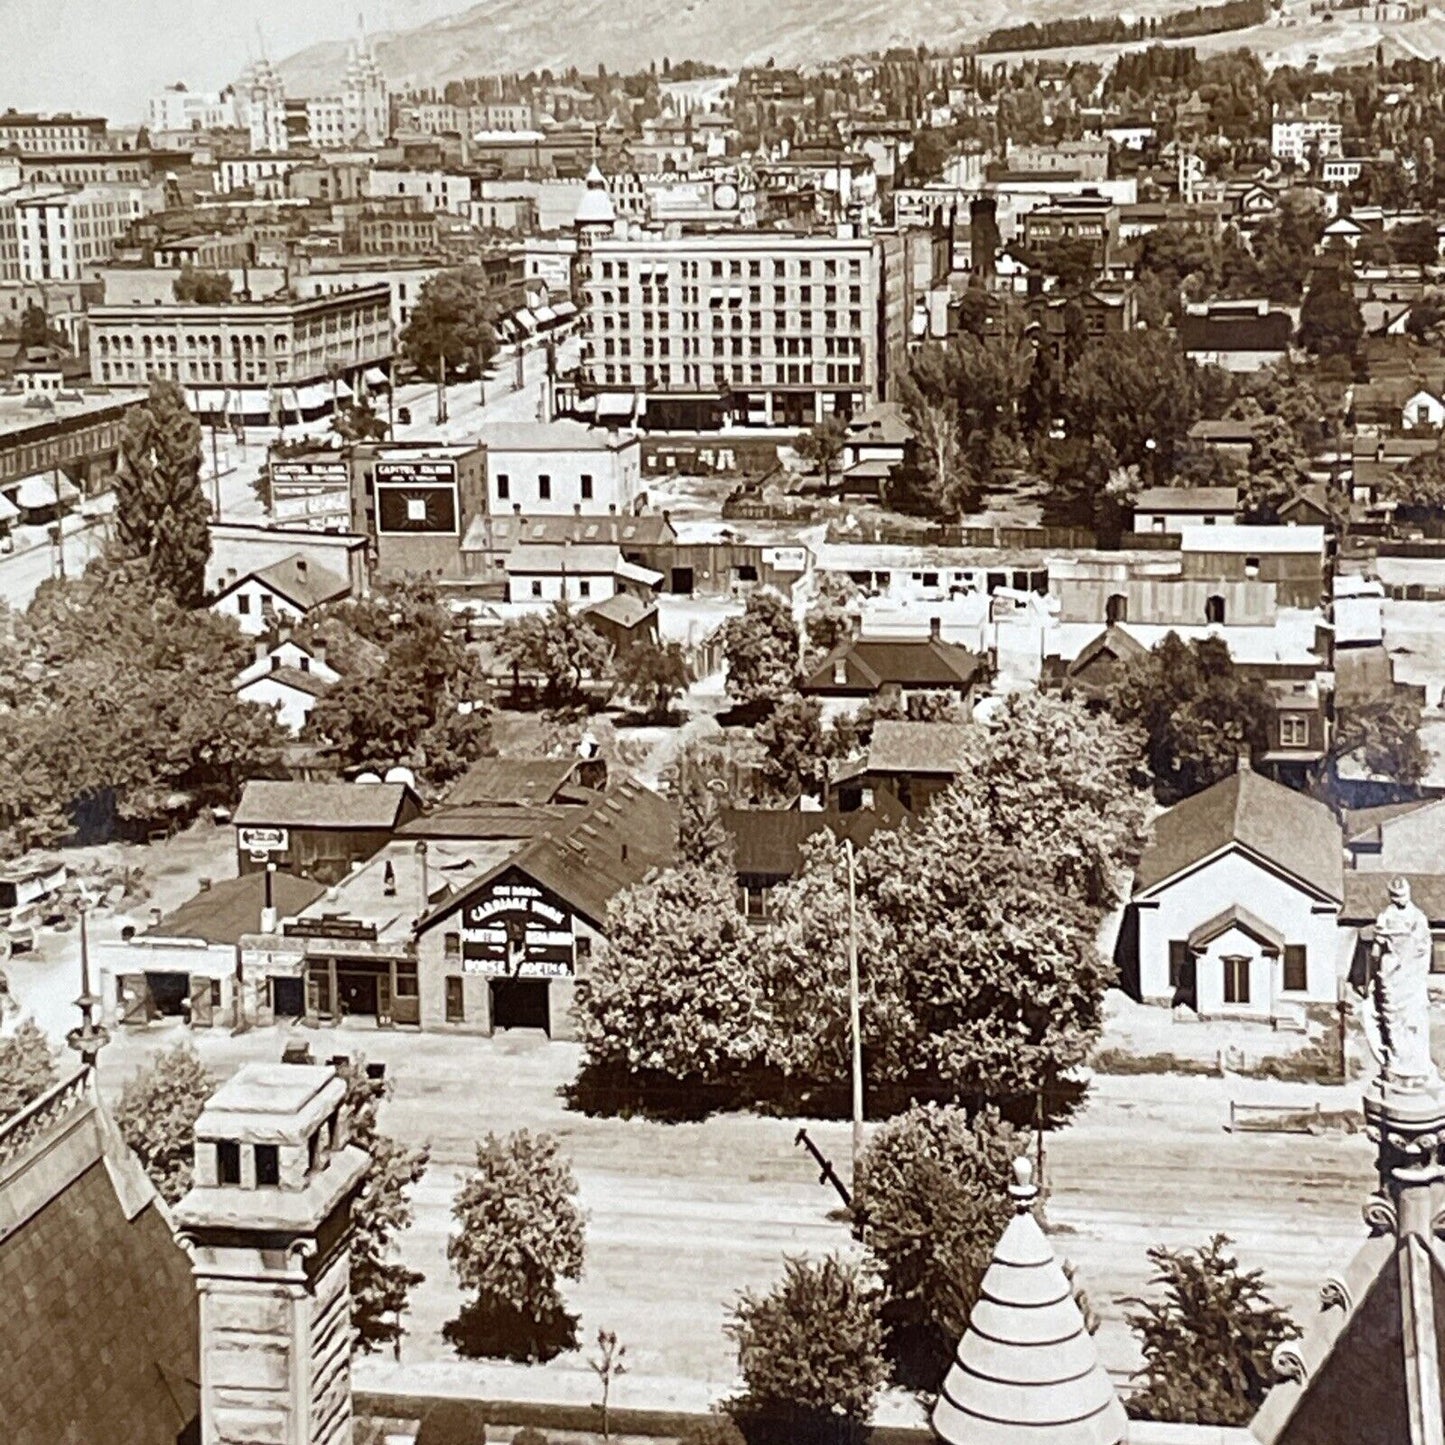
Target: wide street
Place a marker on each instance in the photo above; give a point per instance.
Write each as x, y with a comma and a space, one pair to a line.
36, 557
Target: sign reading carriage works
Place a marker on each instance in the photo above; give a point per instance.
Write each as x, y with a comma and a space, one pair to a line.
514, 931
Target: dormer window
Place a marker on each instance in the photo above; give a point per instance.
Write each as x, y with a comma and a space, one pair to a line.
840, 672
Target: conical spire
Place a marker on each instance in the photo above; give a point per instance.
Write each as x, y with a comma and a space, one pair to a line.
1026, 1368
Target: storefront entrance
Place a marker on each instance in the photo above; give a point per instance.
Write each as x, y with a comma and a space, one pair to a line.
288, 997
384, 989
170, 994
521, 1003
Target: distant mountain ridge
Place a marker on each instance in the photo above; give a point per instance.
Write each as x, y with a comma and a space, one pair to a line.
502, 35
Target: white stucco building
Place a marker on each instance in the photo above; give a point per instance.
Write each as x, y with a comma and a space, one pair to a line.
562, 467
1237, 901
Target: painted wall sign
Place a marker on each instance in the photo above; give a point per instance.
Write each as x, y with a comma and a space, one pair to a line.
514, 932
263, 840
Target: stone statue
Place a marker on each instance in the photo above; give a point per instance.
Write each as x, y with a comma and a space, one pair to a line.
1400, 1018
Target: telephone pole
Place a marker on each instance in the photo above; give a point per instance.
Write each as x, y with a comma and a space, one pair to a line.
855, 1011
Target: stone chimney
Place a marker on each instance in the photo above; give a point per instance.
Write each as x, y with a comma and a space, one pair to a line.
318, 649
267, 1225
263, 649
935, 628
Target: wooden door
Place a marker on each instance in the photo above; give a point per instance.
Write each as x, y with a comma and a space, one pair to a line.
135, 999
383, 1000
201, 1013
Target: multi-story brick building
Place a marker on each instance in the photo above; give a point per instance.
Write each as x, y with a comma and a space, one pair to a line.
49, 233
247, 357
62, 134
768, 328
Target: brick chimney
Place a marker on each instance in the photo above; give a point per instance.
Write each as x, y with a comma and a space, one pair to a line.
267, 1225
935, 628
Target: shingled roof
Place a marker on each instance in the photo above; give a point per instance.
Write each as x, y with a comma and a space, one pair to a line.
870, 663
99, 1334
278, 803
1277, 825
225, 911
920, 747
1026, 1369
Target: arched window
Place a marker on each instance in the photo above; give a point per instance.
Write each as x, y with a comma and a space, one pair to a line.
1116, 609
1214, 609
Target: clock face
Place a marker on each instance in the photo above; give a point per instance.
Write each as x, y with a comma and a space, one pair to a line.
725, 197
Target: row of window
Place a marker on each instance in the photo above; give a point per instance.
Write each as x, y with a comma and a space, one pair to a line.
1236, 988
791, 374
756, 270
544, 487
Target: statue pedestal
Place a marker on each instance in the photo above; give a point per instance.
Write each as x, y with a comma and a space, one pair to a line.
1408, 1125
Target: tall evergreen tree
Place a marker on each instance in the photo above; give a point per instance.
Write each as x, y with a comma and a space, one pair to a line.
161, 514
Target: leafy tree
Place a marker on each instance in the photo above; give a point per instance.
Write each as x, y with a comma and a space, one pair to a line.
803, 958
713, 1429
1383, 737
829, 618
380, 1282
412, 695
760, 648
209, 288
992, 900
1137, 391
810, 1353
558, 645
796, 748
36, 330
934, 478
931, 151
452, 330
519, 1230
674, 996
822, 445
157, 1114
27, 1068
357, 421
930, 1203
117, 711
1278, 468
1415, 243
701, 836
1198, 710
161, 513
653, 675
1207, 1344
1419, 484
1330, 322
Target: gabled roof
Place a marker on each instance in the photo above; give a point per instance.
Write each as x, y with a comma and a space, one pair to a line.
299, 581
622, 609
1113, 641
1367, 893
1278, 825
768, 842
872, 663
1367, 1369
511, 780
292, 677
283, 804
581, 559
585, 860
1241, 918
99, 1334
1027, 1371
225, 911
920, 747
1187, 499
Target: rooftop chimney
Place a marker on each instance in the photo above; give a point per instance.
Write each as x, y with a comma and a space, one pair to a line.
300, 566
263, 649
935, 628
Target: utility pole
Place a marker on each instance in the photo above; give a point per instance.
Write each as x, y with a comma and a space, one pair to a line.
215, 469
441, 387
855, 1020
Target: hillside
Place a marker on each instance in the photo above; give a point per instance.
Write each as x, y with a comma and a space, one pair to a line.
500, 35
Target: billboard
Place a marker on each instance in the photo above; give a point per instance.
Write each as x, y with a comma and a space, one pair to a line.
313, 493
514, 932
417, 496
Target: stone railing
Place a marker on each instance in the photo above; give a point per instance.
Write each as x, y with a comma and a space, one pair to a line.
39, 1117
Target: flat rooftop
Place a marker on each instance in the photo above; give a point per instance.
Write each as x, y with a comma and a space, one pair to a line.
18, 414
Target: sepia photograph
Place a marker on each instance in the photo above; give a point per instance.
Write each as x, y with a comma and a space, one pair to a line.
722, 723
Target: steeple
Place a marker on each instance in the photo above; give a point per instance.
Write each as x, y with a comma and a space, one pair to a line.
1026, 1369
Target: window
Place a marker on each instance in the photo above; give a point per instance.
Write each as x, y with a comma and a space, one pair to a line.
1294, 730
586, 487
504, 487
1178, 963
228, 1161
455, 1009
1236, 980
1214, 609
268, 1165
243, 604
406, 981
1116, 609
1296, 968
536, 587
1251, 566
544, 488
584, 587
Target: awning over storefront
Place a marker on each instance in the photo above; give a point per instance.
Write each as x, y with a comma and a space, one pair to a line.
374, 377
525, 320
615, 404
8, 511
563, 309
313, 398
207, 399
545, 316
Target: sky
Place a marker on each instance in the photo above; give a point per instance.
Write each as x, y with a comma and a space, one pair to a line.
108, 56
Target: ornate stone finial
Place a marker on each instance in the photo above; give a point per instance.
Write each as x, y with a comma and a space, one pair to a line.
1023, 1190
1398, 1023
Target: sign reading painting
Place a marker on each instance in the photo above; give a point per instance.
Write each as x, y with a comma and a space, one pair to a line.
514, 932
314, 493
263, 840
417, 496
